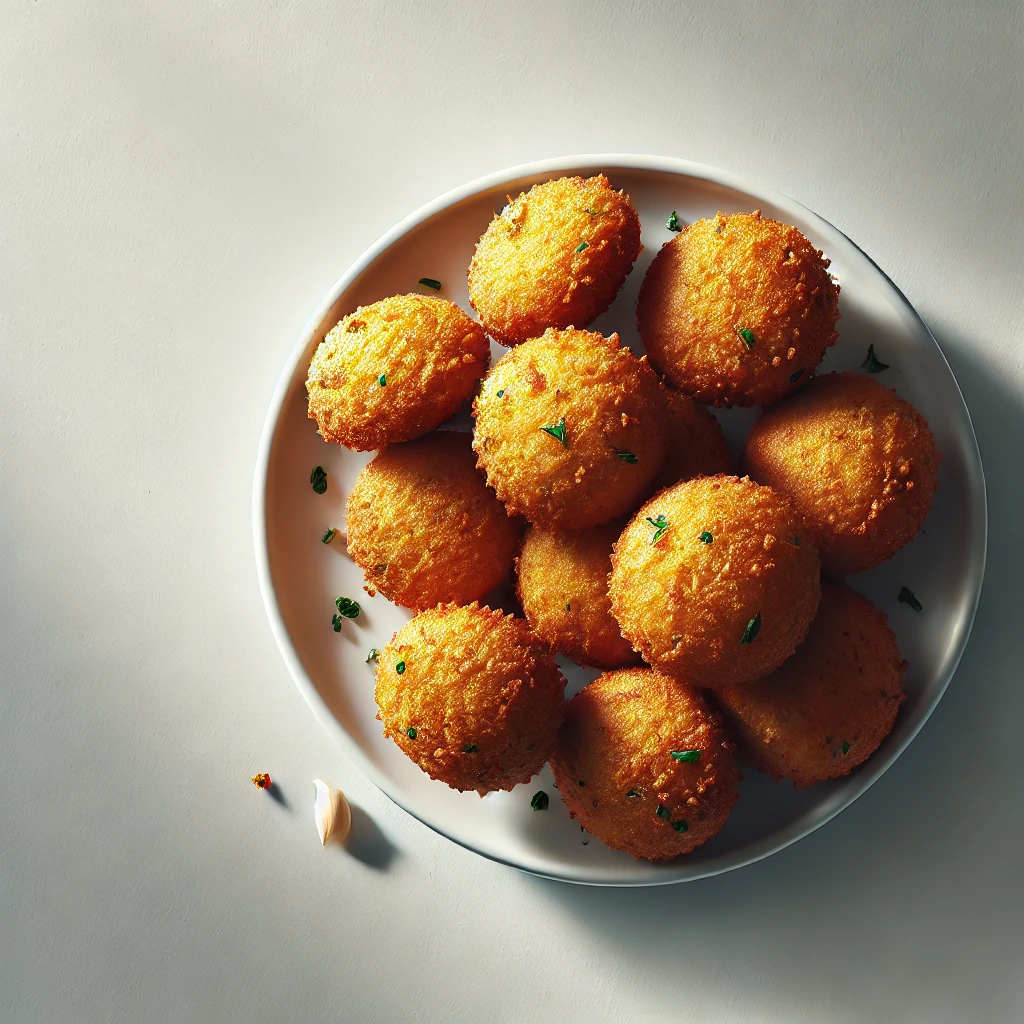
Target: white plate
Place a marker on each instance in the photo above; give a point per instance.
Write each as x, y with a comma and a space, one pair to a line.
300, 577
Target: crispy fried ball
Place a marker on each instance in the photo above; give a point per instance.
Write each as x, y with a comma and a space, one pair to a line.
571, 429
395, 369
424, 527
859, 462
563, 588
738, 310
642, 764
828, 707
555, 256
470, 695
696, 445
713, 583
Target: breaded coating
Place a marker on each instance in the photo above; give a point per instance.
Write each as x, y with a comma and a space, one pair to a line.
555, 256
563, 588
643, 765
394, 370
738, 310
859, 462
425, 528
828, 708
713, 582
571, 429
470, 695
696, 445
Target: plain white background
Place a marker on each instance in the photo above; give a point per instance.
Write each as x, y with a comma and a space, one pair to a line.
180, 183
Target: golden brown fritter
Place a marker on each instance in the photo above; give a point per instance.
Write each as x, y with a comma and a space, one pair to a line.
571, 429
555, 256
563, 588
859, 462
713, 583
827, 709
643, 765
425, 528
696, 445
470, 695
738, 309
393, 370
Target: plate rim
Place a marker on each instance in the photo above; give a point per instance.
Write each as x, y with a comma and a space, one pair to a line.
609, 161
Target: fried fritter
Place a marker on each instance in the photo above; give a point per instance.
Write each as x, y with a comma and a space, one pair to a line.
696, 445
425, 528
471, 696
563, 588
713, 582
738, 309
642, 764
859, 462
828, 708
555, 256
394, 370
571, 429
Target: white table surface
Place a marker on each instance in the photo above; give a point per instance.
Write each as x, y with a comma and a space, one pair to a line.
180, 183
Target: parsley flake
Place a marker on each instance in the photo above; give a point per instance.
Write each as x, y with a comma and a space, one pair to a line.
593, 213
632, 794
557, 431
336, 621
540, 801
906, 596
753, 628
660, 525
568, 607
374, 655
411, 732
400, 667
673, 223
582, 246
382, 380
469, 748
872, 363
747, 337
796, 376
318, 478
348, 607
706, 538
662, 811
429, 282
329, 535
685, 755
627, 457
846, 748
500, 392
681, 825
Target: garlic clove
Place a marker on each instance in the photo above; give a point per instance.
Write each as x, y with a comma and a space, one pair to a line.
332, 812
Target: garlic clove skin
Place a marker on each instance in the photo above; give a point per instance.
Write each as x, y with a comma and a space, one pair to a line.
332, 812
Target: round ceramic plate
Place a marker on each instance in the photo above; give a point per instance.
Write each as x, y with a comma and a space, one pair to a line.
300, 577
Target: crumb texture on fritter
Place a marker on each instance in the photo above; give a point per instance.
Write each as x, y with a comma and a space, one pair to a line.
555, 256
696, 444
738, 310
642, 764
830, 706
394, 370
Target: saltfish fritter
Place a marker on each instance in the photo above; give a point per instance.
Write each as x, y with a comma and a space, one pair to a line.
714, 582
394, 370
571, 429
696, 444
563, 588
425, 528
738, 310
827, 709
471, 696
554, 257
643, 765
859, 462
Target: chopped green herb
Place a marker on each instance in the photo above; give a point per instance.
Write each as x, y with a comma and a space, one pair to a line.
796, 541
662, 811
660, 525
329, 535
796, 376
673, 223
632, 794
753, 628
680, 826
540, 801
846, 748
568, 607
469, 748
593, 213
580, 783
627, 457
400, 667
382, 379
429, 282
582, 246
557, 432
348, 607
718, 229
336, 621
747, 337
685, 755
873, 364
318, 478
411, 732
374, 655
906, 596
500, 392
706, 538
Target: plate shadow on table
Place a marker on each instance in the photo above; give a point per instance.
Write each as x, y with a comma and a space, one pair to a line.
908, 902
